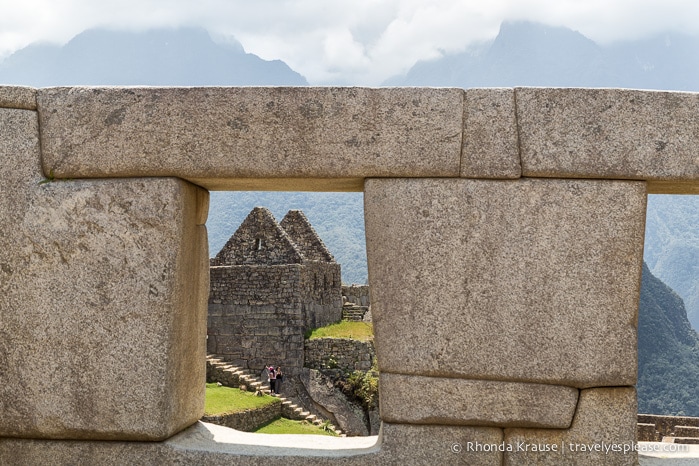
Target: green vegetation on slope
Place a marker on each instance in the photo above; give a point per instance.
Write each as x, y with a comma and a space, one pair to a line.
668, 352
287, 426
672, 247
362, 331
224, 400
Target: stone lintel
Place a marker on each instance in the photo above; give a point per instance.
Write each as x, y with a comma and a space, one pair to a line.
217, 134
19, 97
609, 133
449, 401
490, 144
529, 280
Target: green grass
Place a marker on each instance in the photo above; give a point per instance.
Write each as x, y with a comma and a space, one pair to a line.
224, 400
287, 426
363, 331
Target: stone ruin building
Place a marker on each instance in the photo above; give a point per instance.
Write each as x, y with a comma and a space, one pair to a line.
269, 284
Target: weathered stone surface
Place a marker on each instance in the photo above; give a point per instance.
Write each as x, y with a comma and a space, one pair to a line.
490, 145
210, 444
440, 400
20, 97
609, 133
526, 280
203, 134
605, 419
348, 416
102, 301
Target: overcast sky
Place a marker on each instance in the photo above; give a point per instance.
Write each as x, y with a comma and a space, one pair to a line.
362, 41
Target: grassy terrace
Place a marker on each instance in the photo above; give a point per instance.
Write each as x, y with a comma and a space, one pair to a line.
362, 331
287, 426
224, 400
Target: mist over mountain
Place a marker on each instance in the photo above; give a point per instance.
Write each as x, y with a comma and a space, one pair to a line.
532, 54
160, 57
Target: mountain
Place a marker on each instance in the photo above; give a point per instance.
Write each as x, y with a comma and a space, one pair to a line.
533, 54
160, 57
672, 246
668, 352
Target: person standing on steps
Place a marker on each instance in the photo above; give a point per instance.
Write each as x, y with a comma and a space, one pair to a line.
272, 380
264, 375
280, 378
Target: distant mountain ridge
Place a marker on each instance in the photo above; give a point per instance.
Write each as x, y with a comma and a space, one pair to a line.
533, 54
160, 57
668, 352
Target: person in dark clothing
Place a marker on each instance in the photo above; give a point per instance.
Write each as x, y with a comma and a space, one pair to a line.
279, 379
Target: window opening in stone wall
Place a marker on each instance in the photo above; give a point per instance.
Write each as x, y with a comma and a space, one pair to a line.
299, 301
668, 317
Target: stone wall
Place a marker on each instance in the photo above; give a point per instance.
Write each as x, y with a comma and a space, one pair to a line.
339, 353
357, 294
256, 316
504, 234
320, 292
248, 420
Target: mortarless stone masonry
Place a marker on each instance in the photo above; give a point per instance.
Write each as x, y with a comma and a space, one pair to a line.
339, 353
557, 244
268, 285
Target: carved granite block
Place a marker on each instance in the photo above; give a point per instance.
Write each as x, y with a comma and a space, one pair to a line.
440, 400
490, 146
20, 97
243, 138
524, 280
611, 133
102, 300
603, 432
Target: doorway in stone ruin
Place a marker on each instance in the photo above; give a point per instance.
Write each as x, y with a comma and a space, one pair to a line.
275, 292
668, 344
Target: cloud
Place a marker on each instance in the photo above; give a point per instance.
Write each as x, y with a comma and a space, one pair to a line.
344, 41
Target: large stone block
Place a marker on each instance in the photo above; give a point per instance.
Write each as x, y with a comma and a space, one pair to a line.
603, 432
440, 400
251, 138
20, 97
490, 145
611, 133
102, 300
526, 280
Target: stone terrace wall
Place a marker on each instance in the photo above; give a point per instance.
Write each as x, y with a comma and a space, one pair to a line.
357, 294
339, 353
248, 420
256, 316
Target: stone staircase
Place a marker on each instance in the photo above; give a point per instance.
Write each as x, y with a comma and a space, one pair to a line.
218, 370
353, 312
669, 429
